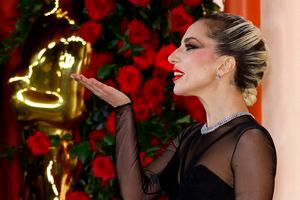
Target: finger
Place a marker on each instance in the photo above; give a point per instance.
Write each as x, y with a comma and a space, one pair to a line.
92, 84
76, 76
84, 81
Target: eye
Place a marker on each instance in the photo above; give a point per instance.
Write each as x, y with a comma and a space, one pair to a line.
190, 46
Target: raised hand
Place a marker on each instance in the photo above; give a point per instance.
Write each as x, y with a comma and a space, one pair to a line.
109, 94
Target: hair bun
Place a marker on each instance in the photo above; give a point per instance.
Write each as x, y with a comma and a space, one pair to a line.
250, 96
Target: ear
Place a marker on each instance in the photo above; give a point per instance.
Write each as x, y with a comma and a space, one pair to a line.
227, 66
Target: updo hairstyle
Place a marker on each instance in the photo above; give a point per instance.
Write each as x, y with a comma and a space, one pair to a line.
239, 38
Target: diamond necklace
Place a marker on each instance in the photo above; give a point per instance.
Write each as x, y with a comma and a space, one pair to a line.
205, 129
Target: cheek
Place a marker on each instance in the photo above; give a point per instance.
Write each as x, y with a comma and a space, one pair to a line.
202, 60
204, 56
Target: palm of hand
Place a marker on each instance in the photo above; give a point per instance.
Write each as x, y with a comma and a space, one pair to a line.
109, 94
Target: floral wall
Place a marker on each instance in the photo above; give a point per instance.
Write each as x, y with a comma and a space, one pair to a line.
131, 40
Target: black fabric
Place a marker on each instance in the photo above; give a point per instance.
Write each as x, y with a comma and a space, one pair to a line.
236, 161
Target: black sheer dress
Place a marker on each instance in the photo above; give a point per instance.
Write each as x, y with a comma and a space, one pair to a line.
235, 161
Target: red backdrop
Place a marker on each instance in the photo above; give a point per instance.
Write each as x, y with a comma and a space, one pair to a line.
10, 174
250, 9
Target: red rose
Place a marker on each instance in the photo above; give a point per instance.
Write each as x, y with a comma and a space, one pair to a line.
94, 137
138, 33
180, 19
191, 3
141, 109
90, 31
129, 79
145, 59
157, 109
196, 109
160, 74
153, 91
103, 167
161, 59
178, 100
192, 105
39, 143
125, 53
123, 25
154, 40
99, 9
9, 14
98, 59
142, 3
145, 160
111, 123
154, 141
77, 195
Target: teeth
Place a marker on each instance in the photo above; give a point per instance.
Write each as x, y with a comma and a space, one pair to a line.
178, 74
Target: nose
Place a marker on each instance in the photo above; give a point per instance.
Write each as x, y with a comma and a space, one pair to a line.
173, 57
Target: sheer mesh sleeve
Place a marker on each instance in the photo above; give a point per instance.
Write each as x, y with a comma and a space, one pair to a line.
254, 166
135, 183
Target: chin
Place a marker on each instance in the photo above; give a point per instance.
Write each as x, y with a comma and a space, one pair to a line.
179, 92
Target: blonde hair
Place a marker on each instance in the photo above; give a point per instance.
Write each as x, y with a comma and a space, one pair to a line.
239, 38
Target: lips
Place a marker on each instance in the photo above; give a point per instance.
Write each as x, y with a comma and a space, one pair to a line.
177, 74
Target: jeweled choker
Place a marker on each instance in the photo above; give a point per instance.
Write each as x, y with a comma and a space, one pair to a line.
205, 129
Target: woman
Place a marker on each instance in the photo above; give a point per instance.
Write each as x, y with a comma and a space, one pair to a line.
221, 60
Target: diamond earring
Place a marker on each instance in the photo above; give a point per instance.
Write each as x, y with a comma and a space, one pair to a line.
218, 77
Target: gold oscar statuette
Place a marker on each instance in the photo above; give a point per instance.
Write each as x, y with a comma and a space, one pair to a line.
46, 99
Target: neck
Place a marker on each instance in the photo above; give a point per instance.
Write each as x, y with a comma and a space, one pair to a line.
222, 103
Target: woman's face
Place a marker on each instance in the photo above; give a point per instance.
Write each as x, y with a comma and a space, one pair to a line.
196, 60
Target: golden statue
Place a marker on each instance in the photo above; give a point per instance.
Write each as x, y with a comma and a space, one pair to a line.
46, 99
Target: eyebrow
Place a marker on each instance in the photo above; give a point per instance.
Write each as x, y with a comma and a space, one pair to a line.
191, 38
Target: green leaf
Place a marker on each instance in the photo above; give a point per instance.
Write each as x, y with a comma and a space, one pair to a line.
116, 31
81, 150
8, 151
137, 48
156, 24
143, 14
55, 140
125, 47
109, 139
112, 44
185, 119
105, 71
67, 136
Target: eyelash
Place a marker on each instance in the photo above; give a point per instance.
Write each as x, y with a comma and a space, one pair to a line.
190, 47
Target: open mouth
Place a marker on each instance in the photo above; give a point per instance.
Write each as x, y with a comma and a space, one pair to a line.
177, 74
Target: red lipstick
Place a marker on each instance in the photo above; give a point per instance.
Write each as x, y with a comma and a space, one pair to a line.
177, 74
